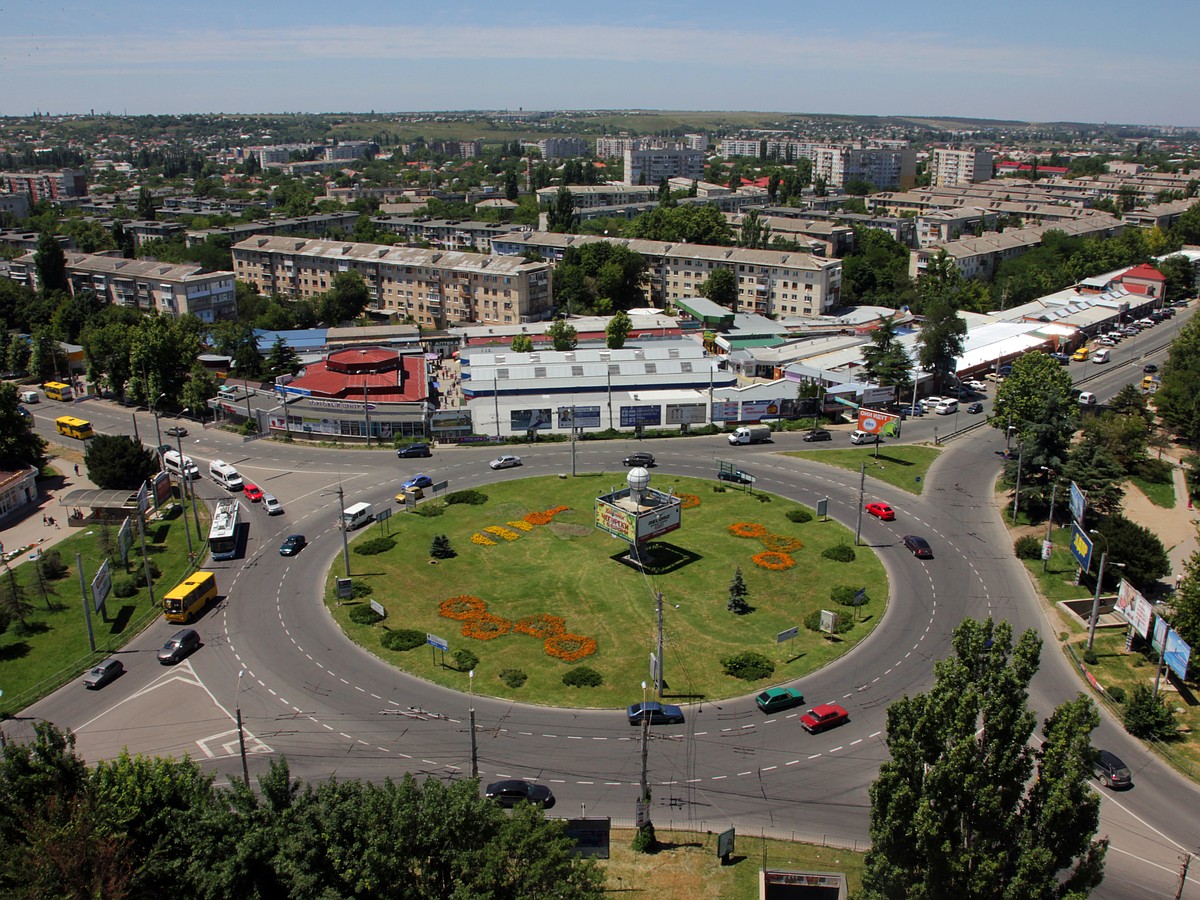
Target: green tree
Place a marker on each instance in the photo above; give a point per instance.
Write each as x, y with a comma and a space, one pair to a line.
118, 462
738, 594
19, 446
885, 360
1098, 474
51, 264
283, 358
617, 330
875, 271
755, 234
965, 806
1035, 383
521, 343
145, 205
46, 359
692, 224
512, 189
1178, 397
201, 386
560, 215
721, 288
563, 335
1146, 716
1124, 437
1135, 547
346, 300
161, 352
940, 342
14, 599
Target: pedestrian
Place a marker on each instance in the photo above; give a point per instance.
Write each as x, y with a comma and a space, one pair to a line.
51, 520
44, 522
76, 469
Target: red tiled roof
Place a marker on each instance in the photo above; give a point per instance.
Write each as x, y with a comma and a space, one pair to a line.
351, 356
1146, 272
404, 385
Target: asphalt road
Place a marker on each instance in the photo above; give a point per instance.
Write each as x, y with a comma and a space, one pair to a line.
334, 710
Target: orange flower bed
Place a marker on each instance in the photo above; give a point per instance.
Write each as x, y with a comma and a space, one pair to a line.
688, 501
485, 627
545, 517
781, 543
747, 530
463, 607
773, 560
541, 626
570, 647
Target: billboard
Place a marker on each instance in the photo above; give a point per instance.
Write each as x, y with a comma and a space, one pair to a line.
687, 413
1143, 613
1176, 654
757, 410
579, 417
1127, 596
633, 416
456, 420
872, 421
617, 522
530, 419
101, 585
124, 540
1078, 502
1160, 634
1081, 547
725, 411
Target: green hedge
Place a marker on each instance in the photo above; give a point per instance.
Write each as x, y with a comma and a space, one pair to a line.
749, 665
800, 515
364, 615
374, 545
583, 676
841, 624
841, 553
402, 639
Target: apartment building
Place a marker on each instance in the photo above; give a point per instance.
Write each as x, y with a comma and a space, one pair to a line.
943, 225
616, 146
323, 224
465, 149
445, 234
951, 168
650, 166
1159, 215
436, 288
836, 164
562, 148
770, 282
38, 186
173, 290
348, 150
16, 206
586, 196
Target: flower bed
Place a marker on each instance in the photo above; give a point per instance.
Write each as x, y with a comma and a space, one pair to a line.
688, 501
541, 626
781, 543
773, 560
570, 647
463, 607
520, 525
545, 517
485, 627
500, 531
747, 530
482, 540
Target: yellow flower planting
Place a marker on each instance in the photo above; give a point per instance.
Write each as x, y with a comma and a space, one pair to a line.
500, 531
482, 540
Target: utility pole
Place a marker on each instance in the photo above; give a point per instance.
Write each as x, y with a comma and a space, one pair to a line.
87, 609
241, 731
366, 413
342, 519
661, 678
145, 556
862, 490
1017, 492
1185, 863
1050, 521
183, 492
474, 749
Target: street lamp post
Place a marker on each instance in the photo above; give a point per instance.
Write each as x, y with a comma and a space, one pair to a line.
1017, 492
192, 490
183, 489
158, 432
237, 701
1099, 582
474, 749
1050, 520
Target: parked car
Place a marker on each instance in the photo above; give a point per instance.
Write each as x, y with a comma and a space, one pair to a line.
292, 545
639, 459
252, 491
825, 716
817, 434
413, 450
777, 698
928, 403
975, 407
1111, 771
418, 481
1146, 323
976, 385
505, 462
102, 674
1061, 358
1106, 342
1087, 398
177, 431
179, 645
271, 505
658, 713
881, 511
513, 791
918, 546
1150, 368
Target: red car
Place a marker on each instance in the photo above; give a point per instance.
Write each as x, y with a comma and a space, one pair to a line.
827, 715
252, 491
881, 511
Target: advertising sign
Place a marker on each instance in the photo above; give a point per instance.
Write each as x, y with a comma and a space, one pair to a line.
632, 416
828, 620
788, 635
124, 540
101, 585
725, 843
579, 417
451, 420
617, 522
725, 411
682, 414
876, 396
757, 410
1160, 634
872, 421
378, 608
591, 837
530, 419
1127, 596
1078, 502
1081, 547
1143, 613
1176, 654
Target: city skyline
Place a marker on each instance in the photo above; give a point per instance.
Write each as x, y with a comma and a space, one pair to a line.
1084, 63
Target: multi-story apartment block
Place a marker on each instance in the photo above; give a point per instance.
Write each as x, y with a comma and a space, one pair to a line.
322, 224
650, 166
347, 150
696, 141
562, 148
1159, 215
445, 234
16, 206
943, 225
465, 149
616, 146
770, 282
836, 164
174, 290
436, 288
952, 168
586, 196
38, 186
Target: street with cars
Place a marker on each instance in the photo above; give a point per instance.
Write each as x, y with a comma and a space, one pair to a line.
269, 649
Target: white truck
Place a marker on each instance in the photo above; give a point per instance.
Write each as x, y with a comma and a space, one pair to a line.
750, 434
357, 515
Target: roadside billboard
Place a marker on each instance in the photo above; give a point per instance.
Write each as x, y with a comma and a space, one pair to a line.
683, 414
530, 419
1081, 547
873, 421
579, 417
725, 411
1078, 503
633, 416
1176, 654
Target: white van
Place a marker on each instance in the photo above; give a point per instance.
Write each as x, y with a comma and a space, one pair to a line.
1101, 356
863, 437
356, 516
180, 466
225, 475
30, 397
946, 407
1087, 398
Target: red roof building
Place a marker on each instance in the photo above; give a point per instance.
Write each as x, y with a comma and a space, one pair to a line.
1145, 280
377, 374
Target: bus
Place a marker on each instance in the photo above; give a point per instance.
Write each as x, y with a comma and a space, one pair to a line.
73, 427
56, 390
223, 536
189, 596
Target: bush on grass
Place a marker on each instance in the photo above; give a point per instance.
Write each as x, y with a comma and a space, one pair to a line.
464, 660
799, 515
840, 553
402, 639
374, 545
155, 573
124, 588
841, 622
1028, 547
470, 497
514, 678
1146, 716
53, 567
429, 510
583, 676
749, 665
364, 615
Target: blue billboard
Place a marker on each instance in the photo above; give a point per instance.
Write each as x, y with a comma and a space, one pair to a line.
632, 416
1081, 546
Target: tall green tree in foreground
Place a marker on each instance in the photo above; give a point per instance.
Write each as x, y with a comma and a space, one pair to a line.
617, 330
966, 807
941, 341
886, 361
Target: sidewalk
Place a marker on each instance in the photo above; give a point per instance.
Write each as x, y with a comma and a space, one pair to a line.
29, 526
1176, 528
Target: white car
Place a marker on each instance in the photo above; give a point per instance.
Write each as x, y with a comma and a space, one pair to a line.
271, 505
505, 462
928, 403
976, 385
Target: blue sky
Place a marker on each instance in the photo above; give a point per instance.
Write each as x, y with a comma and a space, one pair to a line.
1045, 61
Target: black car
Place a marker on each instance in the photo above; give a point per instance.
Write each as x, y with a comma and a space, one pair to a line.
513, 791
818, 434
975, 407
1111, 771
412, 450
179, 645
292, 545
918, 546
639, 459
658, 713
1150, 368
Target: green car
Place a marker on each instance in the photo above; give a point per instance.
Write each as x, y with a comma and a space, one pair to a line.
774, 699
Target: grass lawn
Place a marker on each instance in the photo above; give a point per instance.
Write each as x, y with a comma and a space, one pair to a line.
1058, 582
687, 867
51, 647
568, 568
1157, 492
902, 466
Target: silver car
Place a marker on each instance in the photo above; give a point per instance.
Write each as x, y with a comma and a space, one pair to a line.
505, 462
102, 674
271, 505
